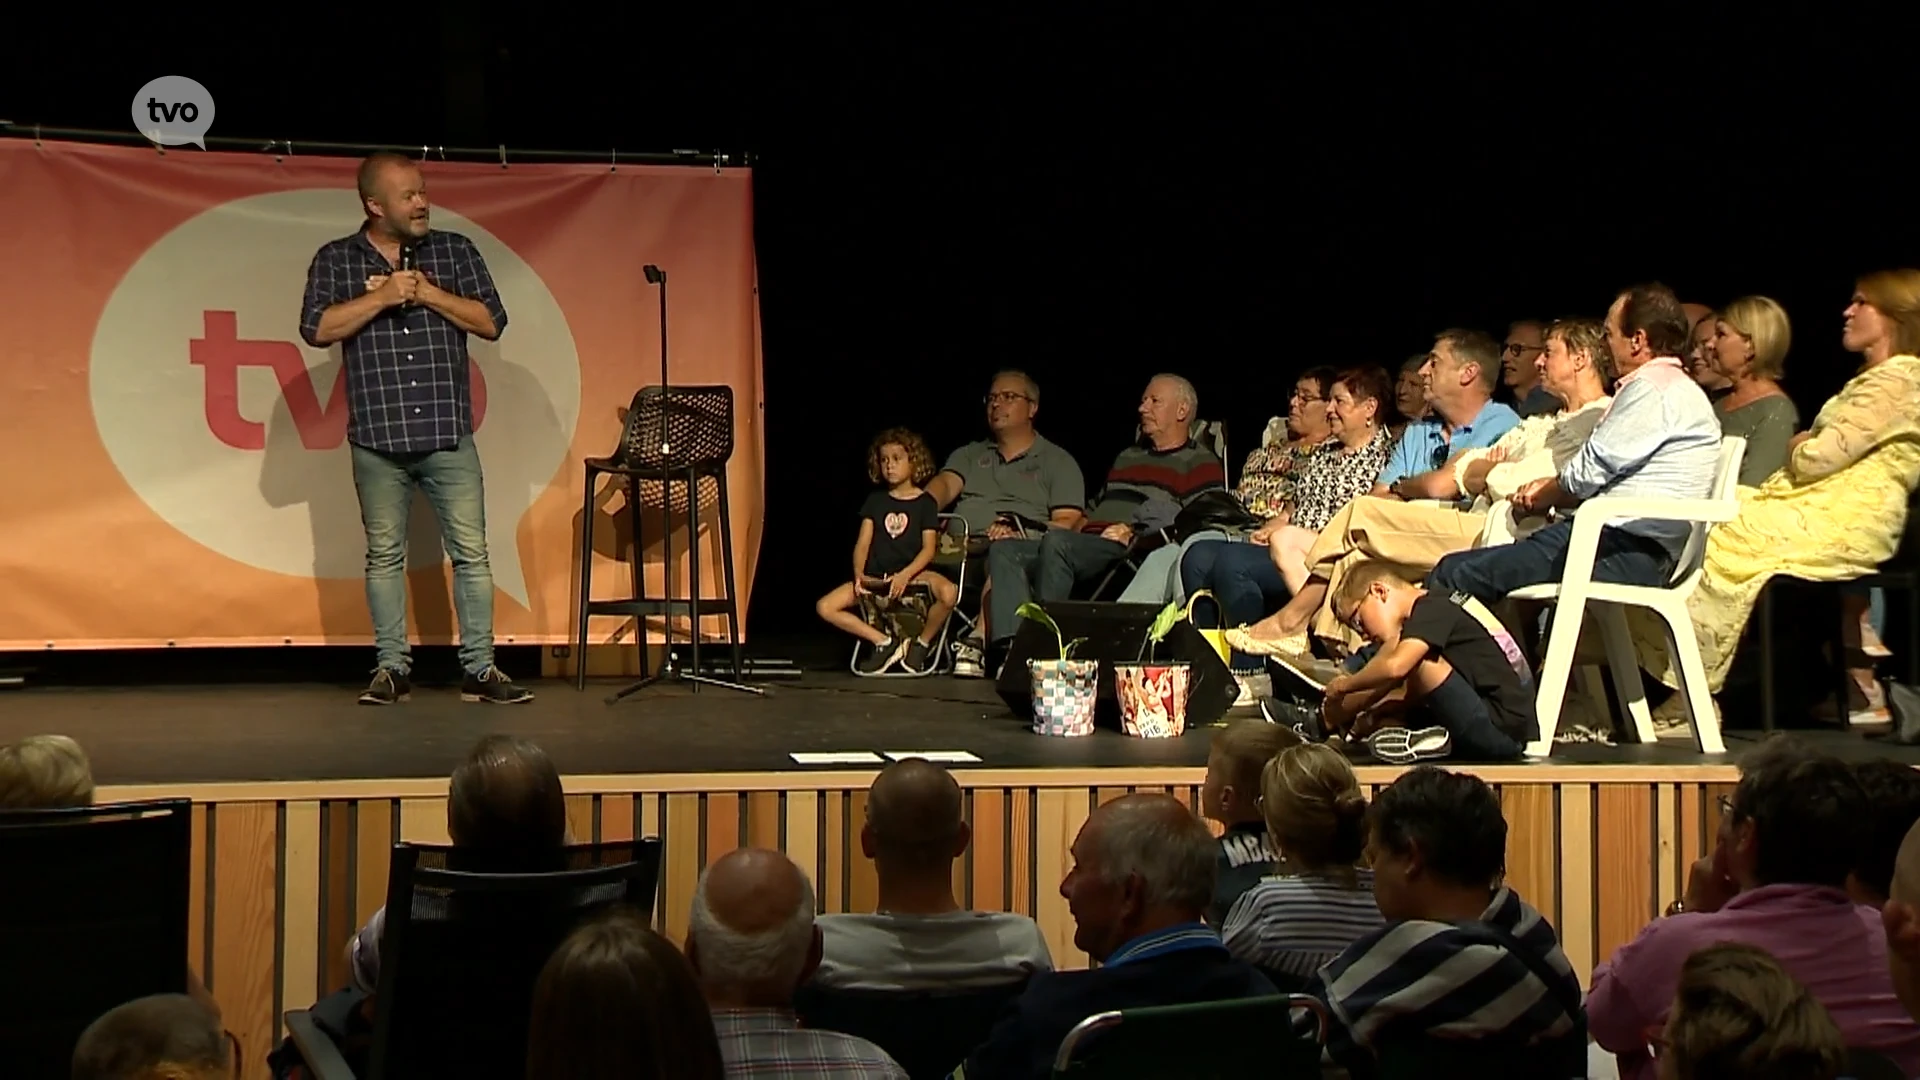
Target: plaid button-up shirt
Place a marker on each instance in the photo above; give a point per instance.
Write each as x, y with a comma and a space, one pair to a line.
408, 389
771, 1043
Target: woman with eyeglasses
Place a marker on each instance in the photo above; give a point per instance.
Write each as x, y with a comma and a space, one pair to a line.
1246, 579
1322, 902
1834, 513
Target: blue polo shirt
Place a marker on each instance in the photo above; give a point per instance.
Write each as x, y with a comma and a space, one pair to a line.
1424, 446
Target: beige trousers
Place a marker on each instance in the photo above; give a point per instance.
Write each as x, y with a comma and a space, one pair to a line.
1415, 535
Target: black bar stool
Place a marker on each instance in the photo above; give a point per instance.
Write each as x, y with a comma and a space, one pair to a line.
675, 437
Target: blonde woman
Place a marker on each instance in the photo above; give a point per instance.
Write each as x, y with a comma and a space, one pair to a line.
1317, 820
1838, 508
1750, 340
44, 772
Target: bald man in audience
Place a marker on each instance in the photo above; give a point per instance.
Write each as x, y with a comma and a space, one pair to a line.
920, 936
752, 941
1142, 877
1901, 916
161, 1037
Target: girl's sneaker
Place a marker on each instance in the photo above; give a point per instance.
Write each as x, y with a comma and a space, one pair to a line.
881, 657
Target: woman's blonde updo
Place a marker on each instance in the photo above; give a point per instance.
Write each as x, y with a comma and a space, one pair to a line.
1315, 812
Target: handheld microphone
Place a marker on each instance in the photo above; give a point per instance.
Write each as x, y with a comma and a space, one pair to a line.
408, 261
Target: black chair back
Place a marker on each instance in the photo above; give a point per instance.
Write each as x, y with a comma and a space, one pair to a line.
93, 914
1423, 1057
678, 428
464, 945
927, 1031
1864, 1064
1275, 1036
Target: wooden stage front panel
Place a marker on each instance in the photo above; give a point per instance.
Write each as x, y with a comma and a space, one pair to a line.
285, 872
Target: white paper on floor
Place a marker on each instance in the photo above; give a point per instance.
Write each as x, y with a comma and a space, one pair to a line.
836, 757
949, 756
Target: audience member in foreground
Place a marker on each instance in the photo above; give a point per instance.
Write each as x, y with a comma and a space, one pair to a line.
1289, 926
1465, 974
1901, 919
505, 810
1660, 438
1839, 508
1577, 368
162, 1037
618, 1002
1231, 795
1776, 879
1892, 789
752, 942
920, 937
1737, 1015
44, 772
1146, 487
1142, 877
1015, 474
1449, 660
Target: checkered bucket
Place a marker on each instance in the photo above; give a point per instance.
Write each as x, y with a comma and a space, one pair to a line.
1153, 699
1064, 694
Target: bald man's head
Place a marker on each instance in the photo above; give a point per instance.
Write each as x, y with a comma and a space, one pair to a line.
915, 818
165, 1035
751, 936
1141, 863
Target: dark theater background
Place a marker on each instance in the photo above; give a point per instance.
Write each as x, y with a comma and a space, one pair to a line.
1227, 192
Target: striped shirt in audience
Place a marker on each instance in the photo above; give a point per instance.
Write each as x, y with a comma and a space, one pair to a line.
1294, 925
1420, 980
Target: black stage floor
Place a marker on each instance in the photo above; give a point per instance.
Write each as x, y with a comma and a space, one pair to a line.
253, 731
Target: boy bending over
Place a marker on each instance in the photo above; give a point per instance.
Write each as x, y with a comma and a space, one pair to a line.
1443, 673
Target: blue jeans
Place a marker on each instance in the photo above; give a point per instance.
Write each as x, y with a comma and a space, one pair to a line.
1489, 574
1458, 707
1244, 581
1158, 579
451, 480
1044, 569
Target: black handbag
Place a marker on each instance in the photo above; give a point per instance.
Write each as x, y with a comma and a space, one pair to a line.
1217, 509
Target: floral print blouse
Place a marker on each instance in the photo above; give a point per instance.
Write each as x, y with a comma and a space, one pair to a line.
1334, 476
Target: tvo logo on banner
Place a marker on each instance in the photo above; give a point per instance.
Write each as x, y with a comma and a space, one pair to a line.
173, 110
234, 431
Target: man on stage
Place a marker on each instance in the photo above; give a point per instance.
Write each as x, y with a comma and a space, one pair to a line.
402, 298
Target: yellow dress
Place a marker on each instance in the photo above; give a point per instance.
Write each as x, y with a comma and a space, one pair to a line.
1834, 513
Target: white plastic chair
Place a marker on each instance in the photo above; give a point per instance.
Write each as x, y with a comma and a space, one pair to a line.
1577, 591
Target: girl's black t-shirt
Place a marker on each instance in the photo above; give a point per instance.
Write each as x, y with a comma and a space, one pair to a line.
899, 530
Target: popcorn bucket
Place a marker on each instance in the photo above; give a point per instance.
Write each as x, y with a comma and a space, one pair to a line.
1216, 637
1064, 694
1153, 698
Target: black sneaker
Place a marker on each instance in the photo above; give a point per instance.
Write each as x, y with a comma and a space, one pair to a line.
881, 657
1303, 720
969, 659
388, 686
493, 687
919, 657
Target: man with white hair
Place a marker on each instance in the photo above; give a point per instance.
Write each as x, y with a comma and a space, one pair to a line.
1146, 488
1142, 877
752, 941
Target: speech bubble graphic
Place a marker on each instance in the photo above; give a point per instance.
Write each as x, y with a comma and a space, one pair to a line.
233, 430
173, 110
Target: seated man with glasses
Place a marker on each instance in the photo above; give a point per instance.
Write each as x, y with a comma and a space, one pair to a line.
1520, 370
1776, 879
1007, 485
1145, 490
1459, 376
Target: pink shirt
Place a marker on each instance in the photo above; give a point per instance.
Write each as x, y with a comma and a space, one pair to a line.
1834, 947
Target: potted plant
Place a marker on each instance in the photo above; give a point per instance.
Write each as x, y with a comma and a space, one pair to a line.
1065, 690
1153, 695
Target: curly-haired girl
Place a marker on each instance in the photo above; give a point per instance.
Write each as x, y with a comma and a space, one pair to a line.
899, 532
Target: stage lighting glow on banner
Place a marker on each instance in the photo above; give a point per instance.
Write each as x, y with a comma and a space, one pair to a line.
178, 471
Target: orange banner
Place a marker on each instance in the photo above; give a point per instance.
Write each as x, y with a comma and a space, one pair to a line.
176, 465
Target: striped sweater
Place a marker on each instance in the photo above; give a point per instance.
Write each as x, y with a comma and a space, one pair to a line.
1147, 487
1421, 981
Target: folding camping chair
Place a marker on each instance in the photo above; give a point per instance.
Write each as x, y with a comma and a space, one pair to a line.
907, 616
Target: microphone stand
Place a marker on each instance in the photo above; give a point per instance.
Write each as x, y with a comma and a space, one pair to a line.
670, 669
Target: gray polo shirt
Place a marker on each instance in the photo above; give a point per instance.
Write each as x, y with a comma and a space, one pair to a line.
1043, 479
